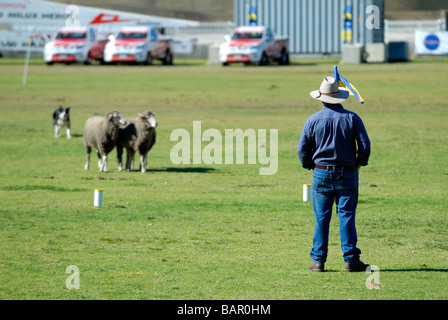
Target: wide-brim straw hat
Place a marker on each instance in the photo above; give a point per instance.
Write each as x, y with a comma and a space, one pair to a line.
330, 92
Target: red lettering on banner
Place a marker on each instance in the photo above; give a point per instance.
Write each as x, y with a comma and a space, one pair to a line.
109, 18
13, 5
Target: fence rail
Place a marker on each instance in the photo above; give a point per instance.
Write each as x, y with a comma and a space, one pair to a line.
403, 26
205, 32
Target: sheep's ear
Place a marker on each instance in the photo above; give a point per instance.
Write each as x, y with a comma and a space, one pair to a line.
141, 115
110, 115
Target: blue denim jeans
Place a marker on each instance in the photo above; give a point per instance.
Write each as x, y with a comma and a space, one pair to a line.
330, 187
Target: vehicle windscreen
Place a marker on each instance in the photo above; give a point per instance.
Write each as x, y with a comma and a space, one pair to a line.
132, 35
71, 35
247, 35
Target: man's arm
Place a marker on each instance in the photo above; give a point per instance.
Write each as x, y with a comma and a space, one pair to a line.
306, 148
363, 143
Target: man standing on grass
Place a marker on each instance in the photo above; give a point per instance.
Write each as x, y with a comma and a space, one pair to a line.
334, 143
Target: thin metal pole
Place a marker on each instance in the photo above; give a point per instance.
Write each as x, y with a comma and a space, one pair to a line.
25, 72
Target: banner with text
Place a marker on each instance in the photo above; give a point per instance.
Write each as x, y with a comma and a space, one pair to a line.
435, 43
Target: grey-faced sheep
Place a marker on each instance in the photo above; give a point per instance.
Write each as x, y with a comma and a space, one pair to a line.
101, 133
139, 135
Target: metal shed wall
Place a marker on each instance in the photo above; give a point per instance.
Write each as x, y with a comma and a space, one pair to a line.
313, 26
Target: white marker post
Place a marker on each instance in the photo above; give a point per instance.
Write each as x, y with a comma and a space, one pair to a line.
98, 198
307, 196
27, 60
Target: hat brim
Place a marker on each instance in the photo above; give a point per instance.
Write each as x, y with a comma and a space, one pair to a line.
341, 96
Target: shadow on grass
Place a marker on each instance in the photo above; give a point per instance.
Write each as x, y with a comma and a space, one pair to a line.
42, 187
414, 270
154, 64
387, 270
274, 64
185, 170
169, 169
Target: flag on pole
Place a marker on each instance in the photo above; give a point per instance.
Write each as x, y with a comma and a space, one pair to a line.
344, 83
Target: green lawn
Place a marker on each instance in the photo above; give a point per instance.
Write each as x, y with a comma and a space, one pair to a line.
217, 231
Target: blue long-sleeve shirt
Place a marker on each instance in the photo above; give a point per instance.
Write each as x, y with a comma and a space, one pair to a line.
334, 136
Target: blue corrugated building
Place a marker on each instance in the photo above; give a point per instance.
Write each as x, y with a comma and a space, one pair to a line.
315, 26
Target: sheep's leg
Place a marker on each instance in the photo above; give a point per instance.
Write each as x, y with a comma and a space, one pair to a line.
132, 161
129, 160
88, 149
104, 163
69, 132
120, 158
143, 160
100, 161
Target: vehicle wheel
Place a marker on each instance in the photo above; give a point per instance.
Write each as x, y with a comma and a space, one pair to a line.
263, 60
49, 63
88, 60
148, 60
284, 58
225, 64
168, 60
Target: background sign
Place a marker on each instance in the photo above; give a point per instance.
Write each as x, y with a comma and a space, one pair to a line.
253, 16
431, 43
348, 25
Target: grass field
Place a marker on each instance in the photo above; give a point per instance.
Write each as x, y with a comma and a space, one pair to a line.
217, 231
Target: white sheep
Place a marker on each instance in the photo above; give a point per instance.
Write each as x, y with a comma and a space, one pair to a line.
101, 133
139, 135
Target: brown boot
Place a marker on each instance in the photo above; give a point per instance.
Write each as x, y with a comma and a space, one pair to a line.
357, 267
316, 267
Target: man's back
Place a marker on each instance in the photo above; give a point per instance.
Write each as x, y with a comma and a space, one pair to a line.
333, 137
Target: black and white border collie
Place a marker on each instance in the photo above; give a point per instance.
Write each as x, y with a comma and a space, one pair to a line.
61, 117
